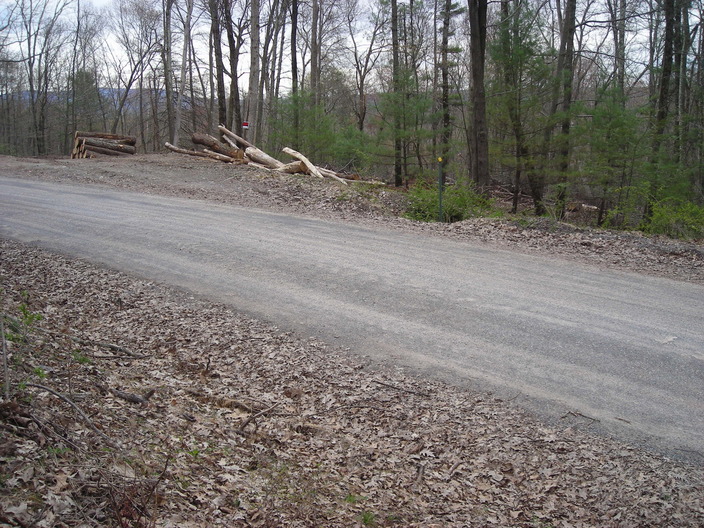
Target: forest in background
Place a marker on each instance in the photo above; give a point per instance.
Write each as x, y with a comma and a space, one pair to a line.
596, 101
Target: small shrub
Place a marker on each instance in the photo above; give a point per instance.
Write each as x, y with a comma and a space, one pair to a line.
459, 202
677, 219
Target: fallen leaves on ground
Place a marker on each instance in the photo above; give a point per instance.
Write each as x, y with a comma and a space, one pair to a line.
194, 415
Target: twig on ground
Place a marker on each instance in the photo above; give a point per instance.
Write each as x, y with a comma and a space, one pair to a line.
580, 415
86, 342
61, 434
134, 398
159, 479
76, 408
419, 476
255, 416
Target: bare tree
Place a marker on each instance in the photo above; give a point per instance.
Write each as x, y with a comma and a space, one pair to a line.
137, 31
166, 59
236, 26
277, 11
41, 35
366, 50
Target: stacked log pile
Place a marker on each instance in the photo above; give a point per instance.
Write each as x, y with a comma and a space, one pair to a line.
86, 144
236, 149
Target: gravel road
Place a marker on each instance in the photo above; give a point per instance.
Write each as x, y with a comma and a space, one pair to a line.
560, 337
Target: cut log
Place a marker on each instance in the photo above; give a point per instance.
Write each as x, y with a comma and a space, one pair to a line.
76, 150
332, 174
200, 153
242, 142
110, 145
218, 156
294, 168
229, 141
215, 145
107, 152
312, 169
260, 166
126, 140
263, 158
197, 153
79, 150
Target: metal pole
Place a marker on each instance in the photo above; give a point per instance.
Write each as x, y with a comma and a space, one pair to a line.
440, 189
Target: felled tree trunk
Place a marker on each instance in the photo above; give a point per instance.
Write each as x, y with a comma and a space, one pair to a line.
294, 167
243, 143
105, 151
214, 144
109, 145
126, 140
200, 153
312, 169
262, 158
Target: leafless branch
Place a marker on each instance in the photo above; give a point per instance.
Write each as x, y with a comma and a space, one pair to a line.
85, 418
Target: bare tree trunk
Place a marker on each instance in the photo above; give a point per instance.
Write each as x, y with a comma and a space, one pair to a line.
617, 11
445, 85
142, 118
168, 68
215, 31
252, 104
315, 53
211, 81
480, 161
294, 74
184, 63
275, 88
71, 119
663, 102
398, 149
566, 74
511, 79
235, 43
273, 27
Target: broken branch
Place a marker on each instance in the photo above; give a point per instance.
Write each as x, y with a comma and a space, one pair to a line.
240, 140
255, 416
63, 398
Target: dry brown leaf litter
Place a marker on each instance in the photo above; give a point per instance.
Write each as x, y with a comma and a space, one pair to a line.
247, 426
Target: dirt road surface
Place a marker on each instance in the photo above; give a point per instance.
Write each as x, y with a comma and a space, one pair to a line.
623, 349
